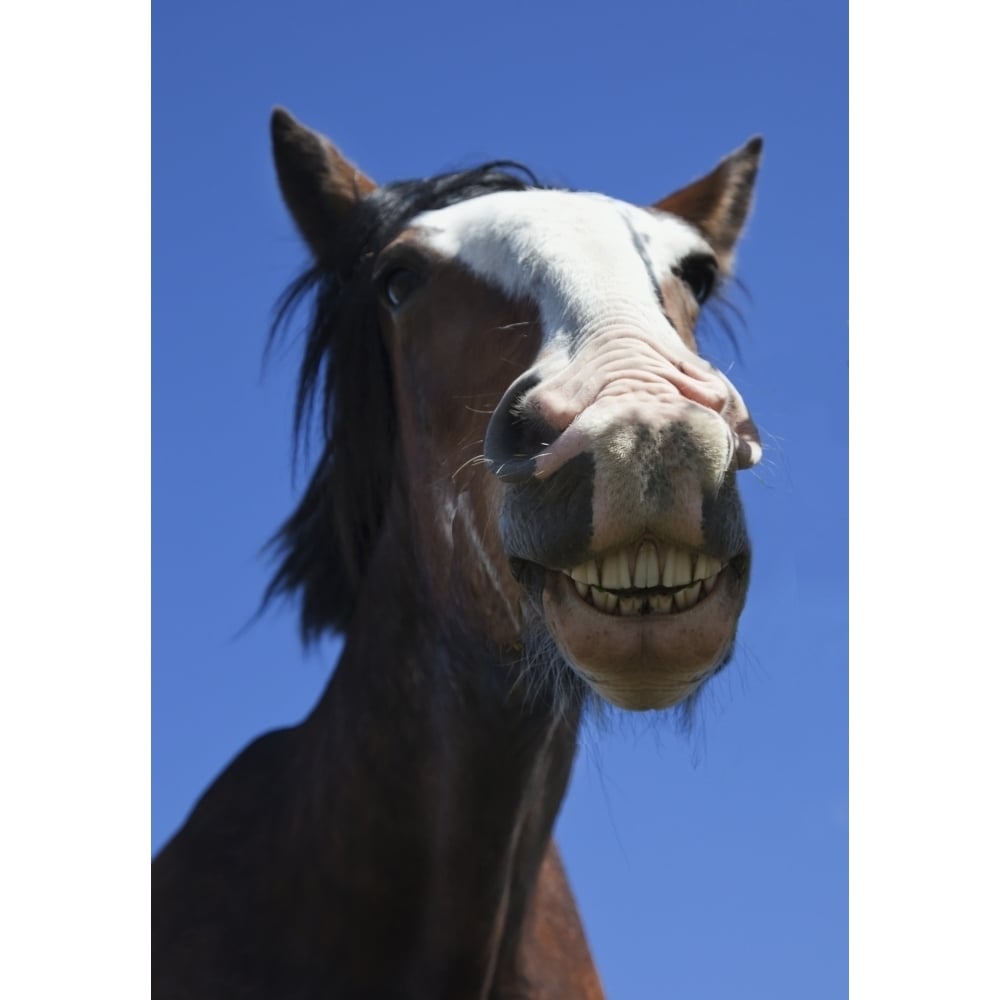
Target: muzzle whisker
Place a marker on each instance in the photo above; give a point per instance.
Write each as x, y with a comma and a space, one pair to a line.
512, 326
475, 460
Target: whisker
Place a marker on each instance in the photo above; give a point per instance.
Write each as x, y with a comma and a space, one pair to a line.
475, 460
513, 326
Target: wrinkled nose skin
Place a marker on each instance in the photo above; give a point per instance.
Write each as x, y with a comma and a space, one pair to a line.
631, 438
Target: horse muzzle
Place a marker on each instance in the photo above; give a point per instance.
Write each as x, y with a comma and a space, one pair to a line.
625, 508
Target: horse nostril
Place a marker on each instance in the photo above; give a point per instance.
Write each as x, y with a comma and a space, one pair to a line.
516, 434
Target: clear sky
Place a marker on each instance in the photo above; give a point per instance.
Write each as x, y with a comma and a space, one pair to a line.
711, 866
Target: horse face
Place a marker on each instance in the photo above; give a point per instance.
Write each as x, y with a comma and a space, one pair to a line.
615, 444
568, 454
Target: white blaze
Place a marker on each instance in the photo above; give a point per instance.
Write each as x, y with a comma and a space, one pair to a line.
583, 259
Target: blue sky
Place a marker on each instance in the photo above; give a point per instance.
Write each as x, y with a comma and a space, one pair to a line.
708, 866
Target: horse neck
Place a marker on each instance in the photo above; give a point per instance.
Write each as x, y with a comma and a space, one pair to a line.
441, 781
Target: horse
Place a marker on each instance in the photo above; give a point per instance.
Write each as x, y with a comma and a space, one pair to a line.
525, 505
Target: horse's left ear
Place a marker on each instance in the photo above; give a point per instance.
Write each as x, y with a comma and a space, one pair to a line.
318, 184
718, 203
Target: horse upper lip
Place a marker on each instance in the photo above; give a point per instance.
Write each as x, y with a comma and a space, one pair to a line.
646, 565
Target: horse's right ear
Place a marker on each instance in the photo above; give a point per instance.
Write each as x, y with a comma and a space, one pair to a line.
718, 204
319, 186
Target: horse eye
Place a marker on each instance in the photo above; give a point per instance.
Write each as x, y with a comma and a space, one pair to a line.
398, 284
699, 273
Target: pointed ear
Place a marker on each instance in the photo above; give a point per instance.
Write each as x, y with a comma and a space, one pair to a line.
718, 204
319, 186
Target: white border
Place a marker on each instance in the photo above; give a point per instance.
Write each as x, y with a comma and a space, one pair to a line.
74, 406
924, 690
75, 414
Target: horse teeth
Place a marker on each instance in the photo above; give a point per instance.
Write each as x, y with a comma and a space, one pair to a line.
612, 577
599, 599
662, 604
623, 571
586, 573
687, 597
707, 567
647, 569
673, 575
681, 568
608, 603
630, 605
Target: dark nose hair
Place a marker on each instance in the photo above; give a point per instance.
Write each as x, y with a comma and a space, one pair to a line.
516, 433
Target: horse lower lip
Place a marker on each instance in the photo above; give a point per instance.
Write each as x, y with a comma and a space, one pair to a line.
641, 661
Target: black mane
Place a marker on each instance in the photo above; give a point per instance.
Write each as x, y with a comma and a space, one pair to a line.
325, 545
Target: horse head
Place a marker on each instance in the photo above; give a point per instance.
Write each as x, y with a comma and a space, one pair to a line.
513, 384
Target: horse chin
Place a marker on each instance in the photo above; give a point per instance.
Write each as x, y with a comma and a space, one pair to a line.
644, 661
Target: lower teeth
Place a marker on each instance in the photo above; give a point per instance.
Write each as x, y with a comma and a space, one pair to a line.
659, 604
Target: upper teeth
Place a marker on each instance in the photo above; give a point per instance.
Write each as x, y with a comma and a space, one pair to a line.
650, 565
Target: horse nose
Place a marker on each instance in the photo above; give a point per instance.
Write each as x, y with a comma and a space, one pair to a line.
693, 412
516, 434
